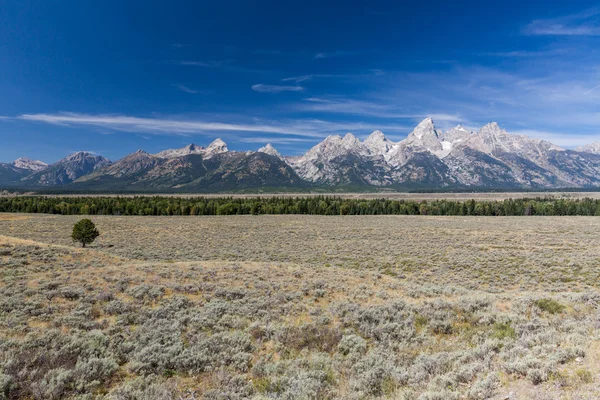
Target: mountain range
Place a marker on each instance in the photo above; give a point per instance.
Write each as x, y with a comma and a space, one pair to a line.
489, 158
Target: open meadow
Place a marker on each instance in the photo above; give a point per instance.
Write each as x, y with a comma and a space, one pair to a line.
300, 307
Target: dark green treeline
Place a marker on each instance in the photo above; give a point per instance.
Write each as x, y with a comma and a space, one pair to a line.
323, 205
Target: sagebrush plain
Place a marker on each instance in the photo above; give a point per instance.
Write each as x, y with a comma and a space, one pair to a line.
300, 307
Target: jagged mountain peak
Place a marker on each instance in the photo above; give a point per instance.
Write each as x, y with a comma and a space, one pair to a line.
426, 128
491, 128
425, 135
457, 134
378, 144
269, 149
489, 157
78, 155
350, 141
218, 143
459, 127
376, 137
184, 151
593, 148
29, 164
332, 139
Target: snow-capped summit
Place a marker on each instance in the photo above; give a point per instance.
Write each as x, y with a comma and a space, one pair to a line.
378, 144
270, 150
457, 134
593, 148
68, 169
491, 139
216, 147
29, 164
174, 153
425, 135
322, 162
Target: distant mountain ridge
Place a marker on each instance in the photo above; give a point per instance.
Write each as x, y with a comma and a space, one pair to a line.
428, 158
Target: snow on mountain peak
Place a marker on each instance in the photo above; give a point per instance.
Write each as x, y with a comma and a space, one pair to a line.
184, 151
425, 135
491, 128
216, 147
218, 144
425, 128
270, 150
378, 144
376, 134
457, 134
593, 148
29, 164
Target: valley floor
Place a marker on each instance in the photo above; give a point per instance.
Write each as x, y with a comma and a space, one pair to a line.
301, 307
489, 196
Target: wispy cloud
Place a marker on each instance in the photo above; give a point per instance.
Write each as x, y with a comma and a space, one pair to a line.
205, 64
275, 140
278, 131
525, 53
349, 77
332, 54
591, 90
584, 23
559, 139
183, 88
179, 45
342, 105
302, 78
263, 88
165, 126
354, 107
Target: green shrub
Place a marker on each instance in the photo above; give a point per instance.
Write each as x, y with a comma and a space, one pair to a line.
503, 330
549, 305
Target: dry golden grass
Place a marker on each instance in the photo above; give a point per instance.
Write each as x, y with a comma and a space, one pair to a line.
430, 306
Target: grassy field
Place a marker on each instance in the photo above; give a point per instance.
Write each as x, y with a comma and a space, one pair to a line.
301, 307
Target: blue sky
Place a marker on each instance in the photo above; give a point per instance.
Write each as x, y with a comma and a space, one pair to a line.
114, 76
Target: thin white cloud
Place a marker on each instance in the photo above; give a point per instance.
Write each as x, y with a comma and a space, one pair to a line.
205, 64
275, 140
365, 108
297, 131
559, 139
183, 88
584, 23
525, 53
362, 76
165, 126
591, 90
299, 79
262, 88
337, 53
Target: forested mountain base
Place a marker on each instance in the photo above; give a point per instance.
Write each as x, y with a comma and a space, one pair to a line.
324, 205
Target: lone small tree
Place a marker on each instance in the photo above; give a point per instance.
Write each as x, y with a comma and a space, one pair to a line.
85, 232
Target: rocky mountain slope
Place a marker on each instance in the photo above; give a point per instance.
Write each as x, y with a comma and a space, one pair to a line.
427, 158
29, 164
490, 157
66, 170
194, 168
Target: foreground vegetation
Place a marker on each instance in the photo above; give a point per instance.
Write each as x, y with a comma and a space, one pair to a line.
320, 205
300, 307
